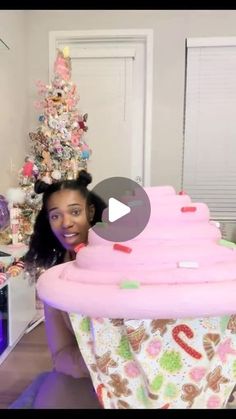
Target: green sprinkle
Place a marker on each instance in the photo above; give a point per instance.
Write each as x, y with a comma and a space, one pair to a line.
234, 369
130, 284
157, 382
171, 391
223, 323
142, 397
85, 324
227, 243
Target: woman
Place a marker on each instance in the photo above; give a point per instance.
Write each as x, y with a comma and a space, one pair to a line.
129, 358
69, 209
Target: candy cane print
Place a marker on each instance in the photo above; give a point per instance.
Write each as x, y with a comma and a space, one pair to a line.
189, 333
99, 391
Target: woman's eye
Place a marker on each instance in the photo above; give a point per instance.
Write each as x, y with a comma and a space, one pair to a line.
76, 212
54, 217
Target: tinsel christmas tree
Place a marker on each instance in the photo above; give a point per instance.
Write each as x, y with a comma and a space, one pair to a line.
58, 149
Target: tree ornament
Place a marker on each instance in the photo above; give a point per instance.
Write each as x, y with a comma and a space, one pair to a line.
4, 213
56, 175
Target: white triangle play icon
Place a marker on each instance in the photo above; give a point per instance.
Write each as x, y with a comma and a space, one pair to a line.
116, 209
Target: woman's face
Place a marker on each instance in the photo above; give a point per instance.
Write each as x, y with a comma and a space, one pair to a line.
69, 218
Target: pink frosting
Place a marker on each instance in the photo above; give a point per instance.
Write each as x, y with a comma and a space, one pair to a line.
177, 262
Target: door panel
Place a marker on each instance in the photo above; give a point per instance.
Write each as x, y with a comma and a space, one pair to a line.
105, 89
110, 77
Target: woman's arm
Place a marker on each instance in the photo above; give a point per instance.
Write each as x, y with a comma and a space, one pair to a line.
62, 343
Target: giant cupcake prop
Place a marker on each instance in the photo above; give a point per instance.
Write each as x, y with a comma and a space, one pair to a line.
155, 316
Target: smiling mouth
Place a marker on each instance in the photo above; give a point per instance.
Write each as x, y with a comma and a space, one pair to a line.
69, 235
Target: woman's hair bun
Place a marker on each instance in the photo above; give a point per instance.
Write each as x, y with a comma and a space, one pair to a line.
40, 186
84, 178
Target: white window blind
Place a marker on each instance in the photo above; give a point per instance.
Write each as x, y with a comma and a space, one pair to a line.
209, 158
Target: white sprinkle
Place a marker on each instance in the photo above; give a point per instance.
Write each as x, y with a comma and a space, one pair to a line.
188, 264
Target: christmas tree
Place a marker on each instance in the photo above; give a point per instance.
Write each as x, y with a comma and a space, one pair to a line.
58, 149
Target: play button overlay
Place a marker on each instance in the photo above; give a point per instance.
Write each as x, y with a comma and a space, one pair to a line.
128, 209
116, 210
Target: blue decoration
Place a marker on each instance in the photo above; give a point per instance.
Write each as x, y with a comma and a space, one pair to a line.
85, 154
41, 118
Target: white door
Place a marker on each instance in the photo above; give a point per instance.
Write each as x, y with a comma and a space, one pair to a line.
111, 81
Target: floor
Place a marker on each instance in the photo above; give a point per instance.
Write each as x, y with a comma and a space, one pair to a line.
29, 358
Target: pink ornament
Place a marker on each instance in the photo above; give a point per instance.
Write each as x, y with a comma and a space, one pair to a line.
154, 348
213, 402
197, 373
131, 369
84, 147
75, 138
28, 169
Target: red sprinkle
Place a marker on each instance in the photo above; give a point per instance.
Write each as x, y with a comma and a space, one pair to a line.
166, 406
188, 209
182, 193
122, 248
79, 246
99, 393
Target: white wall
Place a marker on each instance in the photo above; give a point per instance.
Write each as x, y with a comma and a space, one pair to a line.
170, 30
13, 85
171, 27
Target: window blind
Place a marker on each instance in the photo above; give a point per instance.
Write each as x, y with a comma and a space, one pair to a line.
209, 152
